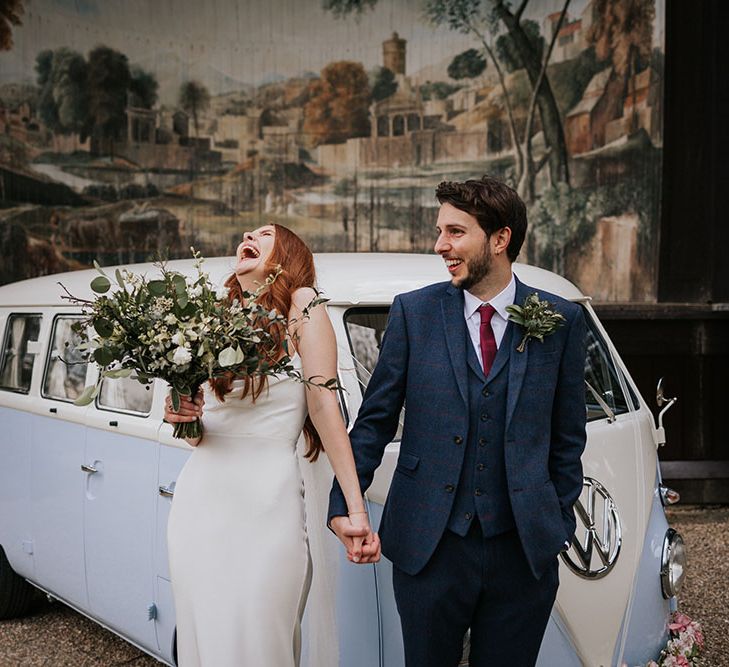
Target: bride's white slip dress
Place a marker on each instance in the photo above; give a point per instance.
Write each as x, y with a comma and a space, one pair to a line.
238, 550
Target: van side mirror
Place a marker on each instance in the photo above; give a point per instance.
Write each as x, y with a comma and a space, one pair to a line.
661, 399
665, 403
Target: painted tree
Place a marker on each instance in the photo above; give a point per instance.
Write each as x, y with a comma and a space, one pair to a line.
622, 31
507, 51
467, 65
143, 88
10, 13
194, 100
383, 83
535, 67
343, 8
338, 108
47, 108
108, 83
70, 93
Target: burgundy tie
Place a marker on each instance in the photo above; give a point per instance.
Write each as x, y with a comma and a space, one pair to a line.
488, 340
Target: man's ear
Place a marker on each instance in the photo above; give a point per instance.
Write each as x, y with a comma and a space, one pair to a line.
500, 240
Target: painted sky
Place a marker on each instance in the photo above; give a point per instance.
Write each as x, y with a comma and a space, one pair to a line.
236, 41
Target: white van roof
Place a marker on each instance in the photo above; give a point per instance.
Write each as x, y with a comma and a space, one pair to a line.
344, 278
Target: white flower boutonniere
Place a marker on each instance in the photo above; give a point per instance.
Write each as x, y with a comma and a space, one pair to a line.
537, 319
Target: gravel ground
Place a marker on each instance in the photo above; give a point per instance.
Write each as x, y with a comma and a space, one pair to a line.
55, 636
705, 595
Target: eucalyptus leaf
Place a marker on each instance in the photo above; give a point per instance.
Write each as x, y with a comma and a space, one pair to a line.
98, 268
103, 327
117, 373
87, 395
119, 279
100, 284
157, 287
227, 357
103, 356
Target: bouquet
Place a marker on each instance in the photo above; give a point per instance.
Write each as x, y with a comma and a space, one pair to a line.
685, 643
180, 330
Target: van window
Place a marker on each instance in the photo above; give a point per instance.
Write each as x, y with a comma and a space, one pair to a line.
365, 327
65, 375
601, 378
125, 395
16, 368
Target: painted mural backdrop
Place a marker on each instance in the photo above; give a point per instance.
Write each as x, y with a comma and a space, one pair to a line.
137, 128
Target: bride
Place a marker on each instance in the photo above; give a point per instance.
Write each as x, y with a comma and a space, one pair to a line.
238, 549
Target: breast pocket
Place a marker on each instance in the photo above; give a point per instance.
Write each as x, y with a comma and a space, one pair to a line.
407, 464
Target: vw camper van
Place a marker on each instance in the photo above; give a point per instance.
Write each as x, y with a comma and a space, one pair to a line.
85, 491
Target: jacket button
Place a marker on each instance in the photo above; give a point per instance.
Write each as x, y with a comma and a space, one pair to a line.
458, 439
482, 442
478, 492
486, 393
484, 417
468, 516
449, 488
480, 466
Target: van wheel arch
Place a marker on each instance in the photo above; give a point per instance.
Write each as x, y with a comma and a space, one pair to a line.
16, 594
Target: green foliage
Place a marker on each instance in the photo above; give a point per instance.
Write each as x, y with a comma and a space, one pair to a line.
194, 99
570, 78
536, 318
343, 8
143, 88
382, 83
458, 15
507, 51
467, 65
108, 81
437, 90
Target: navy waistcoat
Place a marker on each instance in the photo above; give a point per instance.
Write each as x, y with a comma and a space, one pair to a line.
482, 490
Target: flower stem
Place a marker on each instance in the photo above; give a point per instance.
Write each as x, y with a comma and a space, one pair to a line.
188, 430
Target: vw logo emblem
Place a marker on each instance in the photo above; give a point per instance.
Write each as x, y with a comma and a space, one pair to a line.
596, 544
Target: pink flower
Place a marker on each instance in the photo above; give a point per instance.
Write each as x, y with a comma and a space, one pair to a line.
680, 622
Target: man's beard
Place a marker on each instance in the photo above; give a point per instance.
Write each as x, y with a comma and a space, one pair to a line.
477, 270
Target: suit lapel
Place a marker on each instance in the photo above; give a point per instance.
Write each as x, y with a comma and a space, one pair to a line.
454, 326
517, 360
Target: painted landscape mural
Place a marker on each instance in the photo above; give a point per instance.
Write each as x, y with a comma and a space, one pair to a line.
135, 129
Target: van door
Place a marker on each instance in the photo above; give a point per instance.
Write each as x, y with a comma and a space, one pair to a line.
119, 505
596, 574
58, 437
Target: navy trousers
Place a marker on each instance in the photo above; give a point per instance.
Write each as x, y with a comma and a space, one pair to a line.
480, 583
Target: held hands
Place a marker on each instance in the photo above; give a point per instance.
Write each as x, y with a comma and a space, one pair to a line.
363, 546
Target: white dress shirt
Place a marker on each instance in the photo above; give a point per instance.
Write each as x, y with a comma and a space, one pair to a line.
499, 320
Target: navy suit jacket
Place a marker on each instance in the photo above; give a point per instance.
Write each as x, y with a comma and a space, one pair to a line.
423, 363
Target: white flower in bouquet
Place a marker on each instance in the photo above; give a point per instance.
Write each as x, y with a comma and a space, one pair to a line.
181, 357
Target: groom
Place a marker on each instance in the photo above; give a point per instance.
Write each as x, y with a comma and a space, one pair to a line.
489, 467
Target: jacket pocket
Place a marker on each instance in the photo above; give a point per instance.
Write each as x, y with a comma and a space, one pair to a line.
407, 464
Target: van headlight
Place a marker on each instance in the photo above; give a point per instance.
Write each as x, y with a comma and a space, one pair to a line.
673, 564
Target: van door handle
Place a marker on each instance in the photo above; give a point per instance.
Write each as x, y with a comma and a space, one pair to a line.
89, 469
166, 491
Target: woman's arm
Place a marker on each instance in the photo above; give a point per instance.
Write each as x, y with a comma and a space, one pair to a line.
315, 341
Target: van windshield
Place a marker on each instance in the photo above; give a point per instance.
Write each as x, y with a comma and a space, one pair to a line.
366, 325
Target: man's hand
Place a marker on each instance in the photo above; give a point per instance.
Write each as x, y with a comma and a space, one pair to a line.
362, 545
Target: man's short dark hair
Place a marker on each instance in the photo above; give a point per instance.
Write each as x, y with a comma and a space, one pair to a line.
493, 203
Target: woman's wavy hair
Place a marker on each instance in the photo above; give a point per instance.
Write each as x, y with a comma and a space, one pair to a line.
297, 270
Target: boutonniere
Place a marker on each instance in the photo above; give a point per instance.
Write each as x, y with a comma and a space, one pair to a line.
537, 319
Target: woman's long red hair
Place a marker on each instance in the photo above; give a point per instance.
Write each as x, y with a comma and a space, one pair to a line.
297, 264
